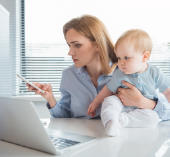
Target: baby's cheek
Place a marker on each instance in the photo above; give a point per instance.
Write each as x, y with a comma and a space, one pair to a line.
119, 65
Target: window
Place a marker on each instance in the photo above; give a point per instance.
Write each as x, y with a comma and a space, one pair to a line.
43, 51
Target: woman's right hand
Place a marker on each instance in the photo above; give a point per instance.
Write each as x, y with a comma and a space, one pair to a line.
47, 88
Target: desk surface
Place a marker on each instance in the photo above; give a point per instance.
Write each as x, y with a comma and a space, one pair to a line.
132, 142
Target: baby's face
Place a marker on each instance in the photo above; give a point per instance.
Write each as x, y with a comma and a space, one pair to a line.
130, 61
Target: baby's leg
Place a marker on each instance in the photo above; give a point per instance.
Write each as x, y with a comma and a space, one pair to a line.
139, 118
111, 108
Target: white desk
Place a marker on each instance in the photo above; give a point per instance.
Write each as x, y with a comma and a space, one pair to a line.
132, 142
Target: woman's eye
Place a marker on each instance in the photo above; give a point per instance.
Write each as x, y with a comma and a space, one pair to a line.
118, 58
78, 45
126, 57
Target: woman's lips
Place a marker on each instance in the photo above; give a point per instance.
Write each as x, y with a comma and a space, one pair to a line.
75, 60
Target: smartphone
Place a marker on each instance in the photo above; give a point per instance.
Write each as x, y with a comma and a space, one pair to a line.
30, 83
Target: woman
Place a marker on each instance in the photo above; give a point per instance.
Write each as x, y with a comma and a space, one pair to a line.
93, 55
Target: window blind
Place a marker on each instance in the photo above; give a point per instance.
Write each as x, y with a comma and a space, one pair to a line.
40, 61
38, 48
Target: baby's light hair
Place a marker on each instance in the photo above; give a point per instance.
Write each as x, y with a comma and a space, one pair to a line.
139, 38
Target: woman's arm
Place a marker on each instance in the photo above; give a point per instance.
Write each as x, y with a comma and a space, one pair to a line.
163, 107
167, 94
133, 97
62, 108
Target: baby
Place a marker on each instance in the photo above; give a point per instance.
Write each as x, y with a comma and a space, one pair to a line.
133, 49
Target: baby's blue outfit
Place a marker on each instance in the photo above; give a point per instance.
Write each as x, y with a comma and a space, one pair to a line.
78, 92
147, 82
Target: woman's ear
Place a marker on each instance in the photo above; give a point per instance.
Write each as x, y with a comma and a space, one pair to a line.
145, 56
97, 48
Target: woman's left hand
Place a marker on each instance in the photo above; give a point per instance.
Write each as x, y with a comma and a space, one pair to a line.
131, 96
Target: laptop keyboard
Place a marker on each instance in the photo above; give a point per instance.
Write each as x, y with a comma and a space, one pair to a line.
61, 143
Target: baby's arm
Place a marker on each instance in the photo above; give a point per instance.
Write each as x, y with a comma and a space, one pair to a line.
105, 92
167, 94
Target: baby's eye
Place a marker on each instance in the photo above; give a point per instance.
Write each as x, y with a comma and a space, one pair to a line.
126, 57
118, 58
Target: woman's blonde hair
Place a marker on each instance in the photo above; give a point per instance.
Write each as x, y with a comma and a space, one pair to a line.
139, 38
95, 30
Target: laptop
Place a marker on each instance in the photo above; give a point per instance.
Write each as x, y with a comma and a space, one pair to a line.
20, 124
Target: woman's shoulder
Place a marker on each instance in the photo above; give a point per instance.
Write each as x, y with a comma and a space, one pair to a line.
69, 69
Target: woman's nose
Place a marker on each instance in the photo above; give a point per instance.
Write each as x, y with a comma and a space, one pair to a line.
71, 52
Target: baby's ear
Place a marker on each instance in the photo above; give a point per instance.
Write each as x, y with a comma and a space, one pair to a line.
145, 56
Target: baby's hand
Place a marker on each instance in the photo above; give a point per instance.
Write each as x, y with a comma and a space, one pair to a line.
91, 110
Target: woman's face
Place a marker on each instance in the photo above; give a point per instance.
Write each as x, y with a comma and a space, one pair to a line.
83, 51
